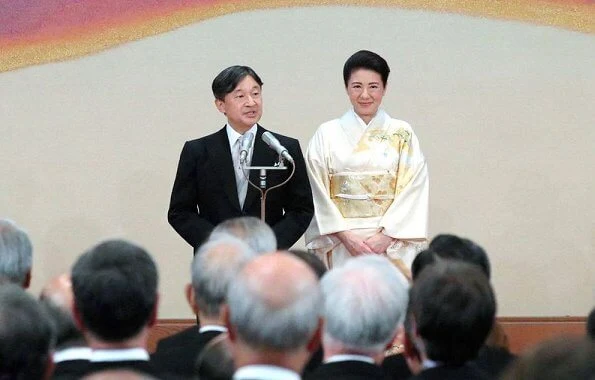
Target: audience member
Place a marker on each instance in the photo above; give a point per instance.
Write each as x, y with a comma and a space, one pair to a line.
214, 266
115, 297
591, 324
215, 361
16, 254
318, 266
119, 374
273, 317
249, 229
26, 336
365, 303
565, 357
72, 354
494, 356
451, 311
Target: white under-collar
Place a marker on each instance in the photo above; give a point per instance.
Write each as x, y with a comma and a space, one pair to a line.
265, 372
116, 355
346, 357
233, 135
206, 328
72, 353
377, 119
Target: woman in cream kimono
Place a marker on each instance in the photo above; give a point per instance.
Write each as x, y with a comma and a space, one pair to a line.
368, 175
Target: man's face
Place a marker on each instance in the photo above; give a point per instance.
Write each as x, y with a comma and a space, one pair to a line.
242, 106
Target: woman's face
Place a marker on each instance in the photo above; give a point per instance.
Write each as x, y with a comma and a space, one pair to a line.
365, 90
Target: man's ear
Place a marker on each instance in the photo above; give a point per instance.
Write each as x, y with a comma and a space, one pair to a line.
191, 298
220, 104
27, 281
153, 317
227, 321
316, 339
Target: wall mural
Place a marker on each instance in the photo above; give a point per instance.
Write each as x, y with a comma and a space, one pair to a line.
40, 31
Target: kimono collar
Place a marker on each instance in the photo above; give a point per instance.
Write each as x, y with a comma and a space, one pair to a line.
376, 122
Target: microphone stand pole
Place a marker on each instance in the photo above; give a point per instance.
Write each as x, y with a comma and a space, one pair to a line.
262, 184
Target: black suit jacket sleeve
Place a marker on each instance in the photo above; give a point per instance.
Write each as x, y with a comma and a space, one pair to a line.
183, 214
299, 207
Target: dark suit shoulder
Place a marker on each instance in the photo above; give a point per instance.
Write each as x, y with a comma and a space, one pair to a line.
70, 369
207, 139
494, 360
465, 372
395, 366
347, 370
180, 357
179, 339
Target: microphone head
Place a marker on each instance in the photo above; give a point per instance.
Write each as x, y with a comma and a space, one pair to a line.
269, 139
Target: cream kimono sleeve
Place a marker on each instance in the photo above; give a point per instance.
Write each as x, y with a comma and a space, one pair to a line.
407, 216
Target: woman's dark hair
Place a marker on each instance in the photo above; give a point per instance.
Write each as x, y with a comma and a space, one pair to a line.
365, 59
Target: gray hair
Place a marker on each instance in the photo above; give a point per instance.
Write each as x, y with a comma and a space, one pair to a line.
279, 313
16, 253
253, 231
365, 301
214, 266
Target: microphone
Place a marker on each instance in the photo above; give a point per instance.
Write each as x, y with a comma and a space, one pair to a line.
245, 147
275, 145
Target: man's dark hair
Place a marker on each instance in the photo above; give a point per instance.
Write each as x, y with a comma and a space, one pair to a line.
447, 246
591, 324
227, 80
368, 60
115, 289
453, 329
26, 335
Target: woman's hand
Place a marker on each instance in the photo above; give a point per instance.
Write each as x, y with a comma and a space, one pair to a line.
379, 242
354, 244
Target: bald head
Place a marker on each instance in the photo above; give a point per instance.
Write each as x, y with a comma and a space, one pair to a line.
274, 302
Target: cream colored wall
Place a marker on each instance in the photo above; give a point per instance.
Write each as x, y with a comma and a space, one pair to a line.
504, 112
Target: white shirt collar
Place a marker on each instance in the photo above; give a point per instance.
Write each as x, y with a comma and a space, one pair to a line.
206, 328
72, 353
427, 364
265, 372
116, 355
233, 135
346, 357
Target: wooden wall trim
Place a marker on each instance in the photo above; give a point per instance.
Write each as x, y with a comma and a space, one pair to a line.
522, 332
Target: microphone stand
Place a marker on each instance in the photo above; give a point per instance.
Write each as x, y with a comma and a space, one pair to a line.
262, 184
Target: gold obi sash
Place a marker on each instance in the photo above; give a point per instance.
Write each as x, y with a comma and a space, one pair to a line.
363, 195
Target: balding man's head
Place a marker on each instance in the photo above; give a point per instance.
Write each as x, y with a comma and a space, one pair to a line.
274, 303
